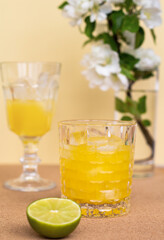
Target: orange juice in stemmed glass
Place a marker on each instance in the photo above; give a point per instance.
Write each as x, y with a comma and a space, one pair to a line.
30, 90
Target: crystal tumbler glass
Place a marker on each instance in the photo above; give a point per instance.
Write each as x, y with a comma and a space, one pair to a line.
96, 164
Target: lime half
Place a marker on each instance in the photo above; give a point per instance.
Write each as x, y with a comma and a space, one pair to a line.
53, 217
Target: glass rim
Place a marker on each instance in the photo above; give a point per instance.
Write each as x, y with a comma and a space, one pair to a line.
3, 63
97, 122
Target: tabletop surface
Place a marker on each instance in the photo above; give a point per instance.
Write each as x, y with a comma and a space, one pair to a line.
144, 222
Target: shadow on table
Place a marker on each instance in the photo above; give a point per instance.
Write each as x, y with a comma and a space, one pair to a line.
25, 232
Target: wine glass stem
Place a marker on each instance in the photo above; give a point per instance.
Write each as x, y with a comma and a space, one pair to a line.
30, 161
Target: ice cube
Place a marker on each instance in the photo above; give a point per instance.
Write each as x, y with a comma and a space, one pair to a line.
43, 80
97, 136
47, 85
19, 89
113, 143
106, 149
78, 138
97, 141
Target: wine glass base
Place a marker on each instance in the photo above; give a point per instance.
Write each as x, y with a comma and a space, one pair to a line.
29, 185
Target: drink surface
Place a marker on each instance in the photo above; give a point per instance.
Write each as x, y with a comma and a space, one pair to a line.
97, 172
30, 118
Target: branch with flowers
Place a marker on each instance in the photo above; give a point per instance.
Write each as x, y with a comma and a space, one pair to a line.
117, 59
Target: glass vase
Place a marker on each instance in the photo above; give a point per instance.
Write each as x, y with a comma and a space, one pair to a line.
146, 135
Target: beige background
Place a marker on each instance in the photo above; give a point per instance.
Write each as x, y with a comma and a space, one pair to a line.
35, 30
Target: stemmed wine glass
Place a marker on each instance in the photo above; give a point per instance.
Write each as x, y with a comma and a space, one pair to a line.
30, 90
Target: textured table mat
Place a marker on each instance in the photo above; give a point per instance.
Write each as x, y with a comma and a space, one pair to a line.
144, 222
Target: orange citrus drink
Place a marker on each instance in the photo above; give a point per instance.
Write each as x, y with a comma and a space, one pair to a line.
97, 172
30, 118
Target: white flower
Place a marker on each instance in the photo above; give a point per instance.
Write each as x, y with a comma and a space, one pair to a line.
99, 12
148, 3
150, 12
149, 61
151, 16
114, 81
141, 2
103, 68
75, 9
103, 59
93, 78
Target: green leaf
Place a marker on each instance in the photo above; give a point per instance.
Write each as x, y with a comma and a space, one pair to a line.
128, 60
140, 37
117, 20
153, 35
120, 105
128, 4
87, 42
131, 106
146, 123
141, 106
126, 118
108, 40
90, 27
130, 23
143, 74
63, 5
128, 73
